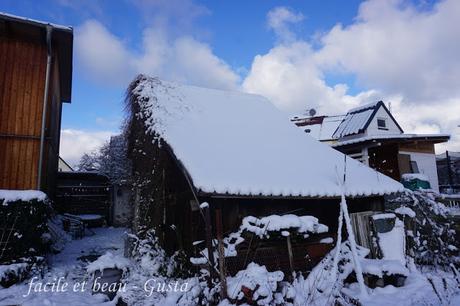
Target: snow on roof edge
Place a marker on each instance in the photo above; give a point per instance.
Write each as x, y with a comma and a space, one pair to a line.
364, 107
386, 137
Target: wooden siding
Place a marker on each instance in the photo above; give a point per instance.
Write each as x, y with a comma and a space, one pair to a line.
417, 146
22, 80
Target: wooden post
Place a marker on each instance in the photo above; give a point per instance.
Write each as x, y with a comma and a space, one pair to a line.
291, 259
209, 245
221, 252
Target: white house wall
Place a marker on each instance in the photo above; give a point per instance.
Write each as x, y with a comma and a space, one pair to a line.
426, 163
373, 129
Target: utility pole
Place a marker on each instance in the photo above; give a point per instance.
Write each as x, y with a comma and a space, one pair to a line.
449, 170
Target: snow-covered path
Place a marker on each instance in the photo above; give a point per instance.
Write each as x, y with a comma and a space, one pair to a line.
69, 264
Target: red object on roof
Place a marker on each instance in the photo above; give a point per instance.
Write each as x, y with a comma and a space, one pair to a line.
308, 121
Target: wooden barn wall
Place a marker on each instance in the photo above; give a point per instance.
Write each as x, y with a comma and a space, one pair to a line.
326, 210
22, 76
22, 82
273, 253
162, 197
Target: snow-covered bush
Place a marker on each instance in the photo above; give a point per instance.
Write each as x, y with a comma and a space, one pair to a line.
151, 265
434, 240
151, 257
12, 273
264, 228
24, 229
282, 225
19, 270
324, 283
147, 252
108, 261
255, 286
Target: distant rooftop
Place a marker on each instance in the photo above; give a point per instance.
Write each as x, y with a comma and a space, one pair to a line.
319, 127
357, 119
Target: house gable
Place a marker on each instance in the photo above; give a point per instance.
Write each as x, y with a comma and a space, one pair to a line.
382, 123
365, 120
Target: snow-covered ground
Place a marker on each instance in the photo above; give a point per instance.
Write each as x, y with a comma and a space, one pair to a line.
417, 290
81, 257
73, 263
70, 264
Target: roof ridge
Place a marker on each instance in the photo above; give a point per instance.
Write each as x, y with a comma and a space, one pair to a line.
365, 107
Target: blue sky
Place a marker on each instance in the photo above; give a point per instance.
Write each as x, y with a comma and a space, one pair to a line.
300, 54
94, 107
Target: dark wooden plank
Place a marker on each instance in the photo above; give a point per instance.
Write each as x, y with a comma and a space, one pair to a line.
31, 103
37, 98
6, 117
7, 86
3, 149
3, 56
23, 111
3, 106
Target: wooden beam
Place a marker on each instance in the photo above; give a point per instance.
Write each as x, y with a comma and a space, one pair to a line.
221, 252
291, 257
209, 245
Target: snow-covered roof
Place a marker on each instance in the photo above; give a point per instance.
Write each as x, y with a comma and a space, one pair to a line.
240, 144
436, 137
356, 120
364, 107
319, 129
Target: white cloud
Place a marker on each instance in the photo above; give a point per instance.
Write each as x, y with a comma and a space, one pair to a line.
442, 117
107, 59
175, 16
402, 54
184, 59
397, 48
289, 76
280, 20
101, 55
74, 143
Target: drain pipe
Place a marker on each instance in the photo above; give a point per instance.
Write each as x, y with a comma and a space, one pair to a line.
49, 30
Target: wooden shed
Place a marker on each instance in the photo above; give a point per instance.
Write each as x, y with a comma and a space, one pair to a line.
35, 79
205, 159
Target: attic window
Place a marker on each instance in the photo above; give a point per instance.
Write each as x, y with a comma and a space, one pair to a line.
382, 124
